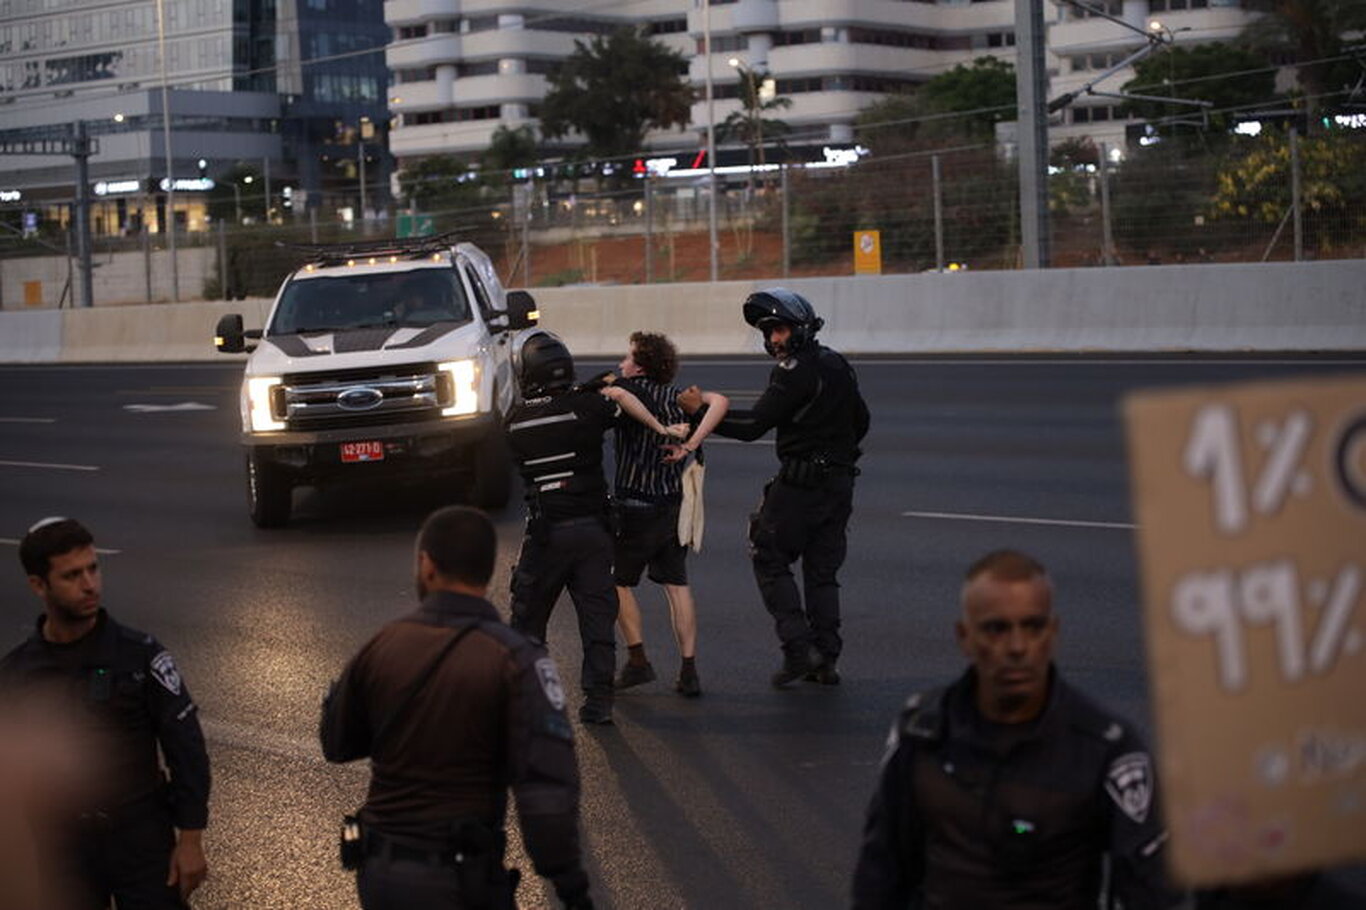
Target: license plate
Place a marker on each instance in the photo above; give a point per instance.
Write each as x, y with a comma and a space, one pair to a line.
352, 452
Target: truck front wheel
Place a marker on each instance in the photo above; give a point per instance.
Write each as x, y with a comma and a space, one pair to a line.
268, 493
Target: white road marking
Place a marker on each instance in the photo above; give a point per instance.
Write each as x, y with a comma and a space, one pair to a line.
28, 419
11, 542
43, 464
1022, 520
183, 406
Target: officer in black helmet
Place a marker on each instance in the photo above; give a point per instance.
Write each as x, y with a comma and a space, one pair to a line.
555, 435
813, 400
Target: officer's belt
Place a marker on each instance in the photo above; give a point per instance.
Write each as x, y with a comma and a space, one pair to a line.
432, 852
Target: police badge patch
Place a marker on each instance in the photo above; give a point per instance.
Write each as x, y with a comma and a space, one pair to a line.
1130, 784
164, 669
549, 679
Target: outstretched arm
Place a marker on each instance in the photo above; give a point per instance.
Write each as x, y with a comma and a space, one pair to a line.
634, 408
715, 405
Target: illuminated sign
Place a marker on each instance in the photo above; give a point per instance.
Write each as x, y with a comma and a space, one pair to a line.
115, 187
10, 195
189, 184
660, 166
1351, 121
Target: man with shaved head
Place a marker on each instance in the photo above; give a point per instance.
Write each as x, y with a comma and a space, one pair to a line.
1010, 788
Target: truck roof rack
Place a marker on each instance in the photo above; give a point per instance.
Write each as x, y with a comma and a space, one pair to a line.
325, 254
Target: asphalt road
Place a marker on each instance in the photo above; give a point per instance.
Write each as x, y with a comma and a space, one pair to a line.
745, 798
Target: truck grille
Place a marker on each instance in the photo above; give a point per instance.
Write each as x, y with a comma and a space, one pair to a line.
360, 398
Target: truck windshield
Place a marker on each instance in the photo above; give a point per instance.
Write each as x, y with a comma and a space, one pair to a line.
331, 303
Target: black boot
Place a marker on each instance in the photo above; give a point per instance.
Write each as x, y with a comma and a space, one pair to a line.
797, 662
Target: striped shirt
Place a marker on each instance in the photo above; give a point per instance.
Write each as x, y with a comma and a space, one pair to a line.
641, 471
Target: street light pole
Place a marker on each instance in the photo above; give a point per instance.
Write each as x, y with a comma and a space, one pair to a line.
360, 160
166, 137
712, 242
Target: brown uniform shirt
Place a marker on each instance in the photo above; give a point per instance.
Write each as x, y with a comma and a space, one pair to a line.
491, 717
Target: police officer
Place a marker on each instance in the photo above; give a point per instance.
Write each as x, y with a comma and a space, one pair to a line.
555, 434
452, 708
1010, 788
813, 399
138, 838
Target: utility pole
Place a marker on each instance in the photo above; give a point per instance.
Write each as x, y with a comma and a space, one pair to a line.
712, 243
169, 228
1031, 78
80, 150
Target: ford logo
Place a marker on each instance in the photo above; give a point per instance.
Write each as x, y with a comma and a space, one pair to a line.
361, 398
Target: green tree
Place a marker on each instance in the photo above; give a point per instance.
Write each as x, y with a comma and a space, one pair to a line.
1257, 187
1201, 73
509, 149
982, 94
1310, 34
614, 90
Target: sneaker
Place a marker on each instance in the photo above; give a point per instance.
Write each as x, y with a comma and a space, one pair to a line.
796, 664
688, 685
825, 674
634, 675
595, 712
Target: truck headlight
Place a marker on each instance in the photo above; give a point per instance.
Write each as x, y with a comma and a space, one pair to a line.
459, 388
265, 405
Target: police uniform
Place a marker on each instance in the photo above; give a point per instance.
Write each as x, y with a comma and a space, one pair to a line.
132, 700
971, 814
489, 716
556, 440
813, 399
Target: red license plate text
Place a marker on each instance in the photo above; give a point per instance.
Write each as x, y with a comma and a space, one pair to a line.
352, 452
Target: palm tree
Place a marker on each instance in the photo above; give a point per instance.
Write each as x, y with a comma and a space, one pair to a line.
749, 125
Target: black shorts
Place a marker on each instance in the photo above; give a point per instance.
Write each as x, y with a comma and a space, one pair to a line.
647, 536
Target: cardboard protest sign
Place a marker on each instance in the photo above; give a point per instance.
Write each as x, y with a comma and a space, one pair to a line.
1251, 506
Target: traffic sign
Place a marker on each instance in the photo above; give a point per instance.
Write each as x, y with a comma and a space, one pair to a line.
414, 225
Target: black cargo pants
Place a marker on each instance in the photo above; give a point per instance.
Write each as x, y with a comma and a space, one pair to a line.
806, 523
574, 554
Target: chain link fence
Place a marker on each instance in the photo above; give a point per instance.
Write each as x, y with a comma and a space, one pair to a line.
1274, 197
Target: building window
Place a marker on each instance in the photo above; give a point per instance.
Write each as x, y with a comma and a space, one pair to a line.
409, 32
668, 26
797, 36
1113, 7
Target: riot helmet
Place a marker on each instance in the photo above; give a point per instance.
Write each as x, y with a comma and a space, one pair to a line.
541, 363
772, 306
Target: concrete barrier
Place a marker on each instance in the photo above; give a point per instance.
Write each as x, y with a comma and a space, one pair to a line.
147, 333
30, 337
1318, 306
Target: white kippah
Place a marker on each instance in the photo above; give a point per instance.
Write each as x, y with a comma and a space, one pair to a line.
44, 522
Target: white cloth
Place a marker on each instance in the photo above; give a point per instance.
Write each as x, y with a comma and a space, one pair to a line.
690, 519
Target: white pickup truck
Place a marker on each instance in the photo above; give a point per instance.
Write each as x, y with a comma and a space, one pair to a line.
380, 361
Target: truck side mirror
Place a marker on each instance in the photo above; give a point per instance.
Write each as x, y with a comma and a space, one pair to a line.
521, 310
228, 337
